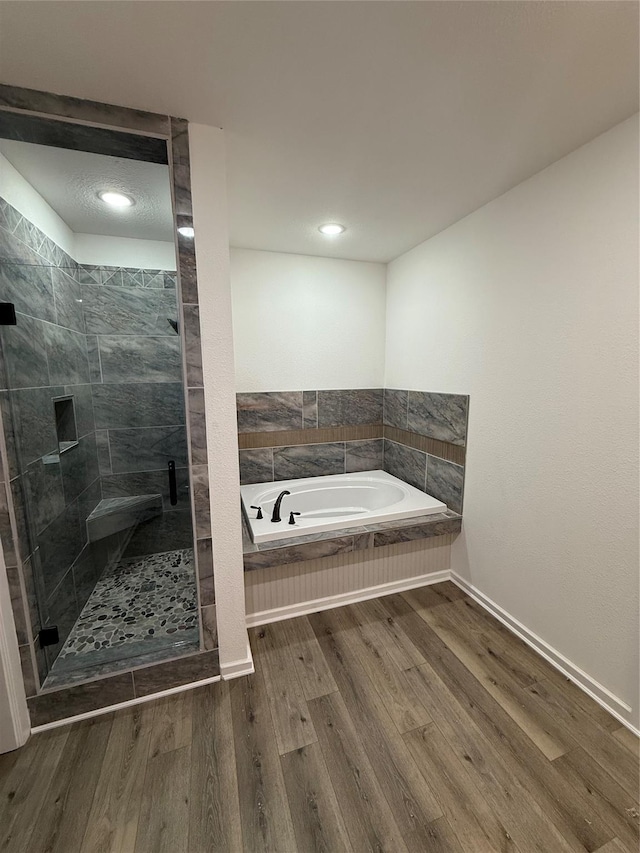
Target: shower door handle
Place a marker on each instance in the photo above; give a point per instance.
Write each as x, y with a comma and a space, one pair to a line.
173, 488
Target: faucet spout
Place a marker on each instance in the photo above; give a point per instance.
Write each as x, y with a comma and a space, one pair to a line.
275, 516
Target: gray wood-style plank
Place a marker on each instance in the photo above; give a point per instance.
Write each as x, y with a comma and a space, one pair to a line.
316, 815
214, 807
289, 711
264, 811
411, 722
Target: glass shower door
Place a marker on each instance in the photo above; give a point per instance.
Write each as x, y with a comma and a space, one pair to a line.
93, 411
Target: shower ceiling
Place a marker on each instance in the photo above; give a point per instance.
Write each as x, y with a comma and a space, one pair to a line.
70, 181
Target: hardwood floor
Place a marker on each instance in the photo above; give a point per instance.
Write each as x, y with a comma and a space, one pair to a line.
414, 722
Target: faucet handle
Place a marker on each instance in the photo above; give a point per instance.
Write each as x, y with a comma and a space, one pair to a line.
291, 517
259, 508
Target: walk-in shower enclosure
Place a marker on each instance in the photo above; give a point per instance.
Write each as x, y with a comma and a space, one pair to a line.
104, 515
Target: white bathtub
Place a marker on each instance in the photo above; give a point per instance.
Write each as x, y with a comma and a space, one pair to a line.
329, 503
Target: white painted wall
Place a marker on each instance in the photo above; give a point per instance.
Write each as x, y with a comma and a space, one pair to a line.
21, 195
530, 305
306, 322
210, 220
124, 252
84, 248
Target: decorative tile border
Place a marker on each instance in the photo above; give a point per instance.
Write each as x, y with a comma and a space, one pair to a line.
174, 133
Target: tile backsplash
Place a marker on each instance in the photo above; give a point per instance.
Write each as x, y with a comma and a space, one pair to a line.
418, 436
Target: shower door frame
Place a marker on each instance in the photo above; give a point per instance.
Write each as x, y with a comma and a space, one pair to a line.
204, 664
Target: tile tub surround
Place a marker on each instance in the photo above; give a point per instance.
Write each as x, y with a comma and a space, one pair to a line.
294, 434
313, 546
174, 133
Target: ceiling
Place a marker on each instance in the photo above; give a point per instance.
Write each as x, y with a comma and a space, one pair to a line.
395, 118
71, 180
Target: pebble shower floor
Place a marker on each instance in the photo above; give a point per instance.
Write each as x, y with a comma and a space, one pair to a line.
141, 604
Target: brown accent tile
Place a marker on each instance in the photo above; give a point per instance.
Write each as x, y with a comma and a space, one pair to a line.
288, 438
164, 676
60, 704
451, 452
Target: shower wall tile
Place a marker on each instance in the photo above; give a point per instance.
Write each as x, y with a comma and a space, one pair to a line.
25, 537
310, 410
269, 411
79, 467
308, 460
405, 463
83, 406
197, 426
445, 481
127, 310
349, 407
166, 532
60, 543
25, 352
395, 408
256, 466
139, 404
147, 483
34, 422
67, 354
104, 453
30, 289
191, 315
62, 611
364, 455
440, 416
131, 358
147, 449
93, 354
68, 300
43, 486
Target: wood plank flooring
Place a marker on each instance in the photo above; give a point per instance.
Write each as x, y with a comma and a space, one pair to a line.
414, 722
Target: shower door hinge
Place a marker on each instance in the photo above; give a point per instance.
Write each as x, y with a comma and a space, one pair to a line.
48, 636
7, 314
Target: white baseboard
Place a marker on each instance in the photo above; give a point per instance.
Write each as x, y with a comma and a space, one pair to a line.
238, 668
128, 704
611, 703
277, 614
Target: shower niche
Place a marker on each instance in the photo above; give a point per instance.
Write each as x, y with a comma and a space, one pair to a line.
93, 398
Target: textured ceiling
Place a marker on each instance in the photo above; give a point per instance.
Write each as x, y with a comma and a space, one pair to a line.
71, 180
395, 118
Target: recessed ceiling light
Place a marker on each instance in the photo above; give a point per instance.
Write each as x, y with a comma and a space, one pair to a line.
115, 199
186, 231
332, 229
